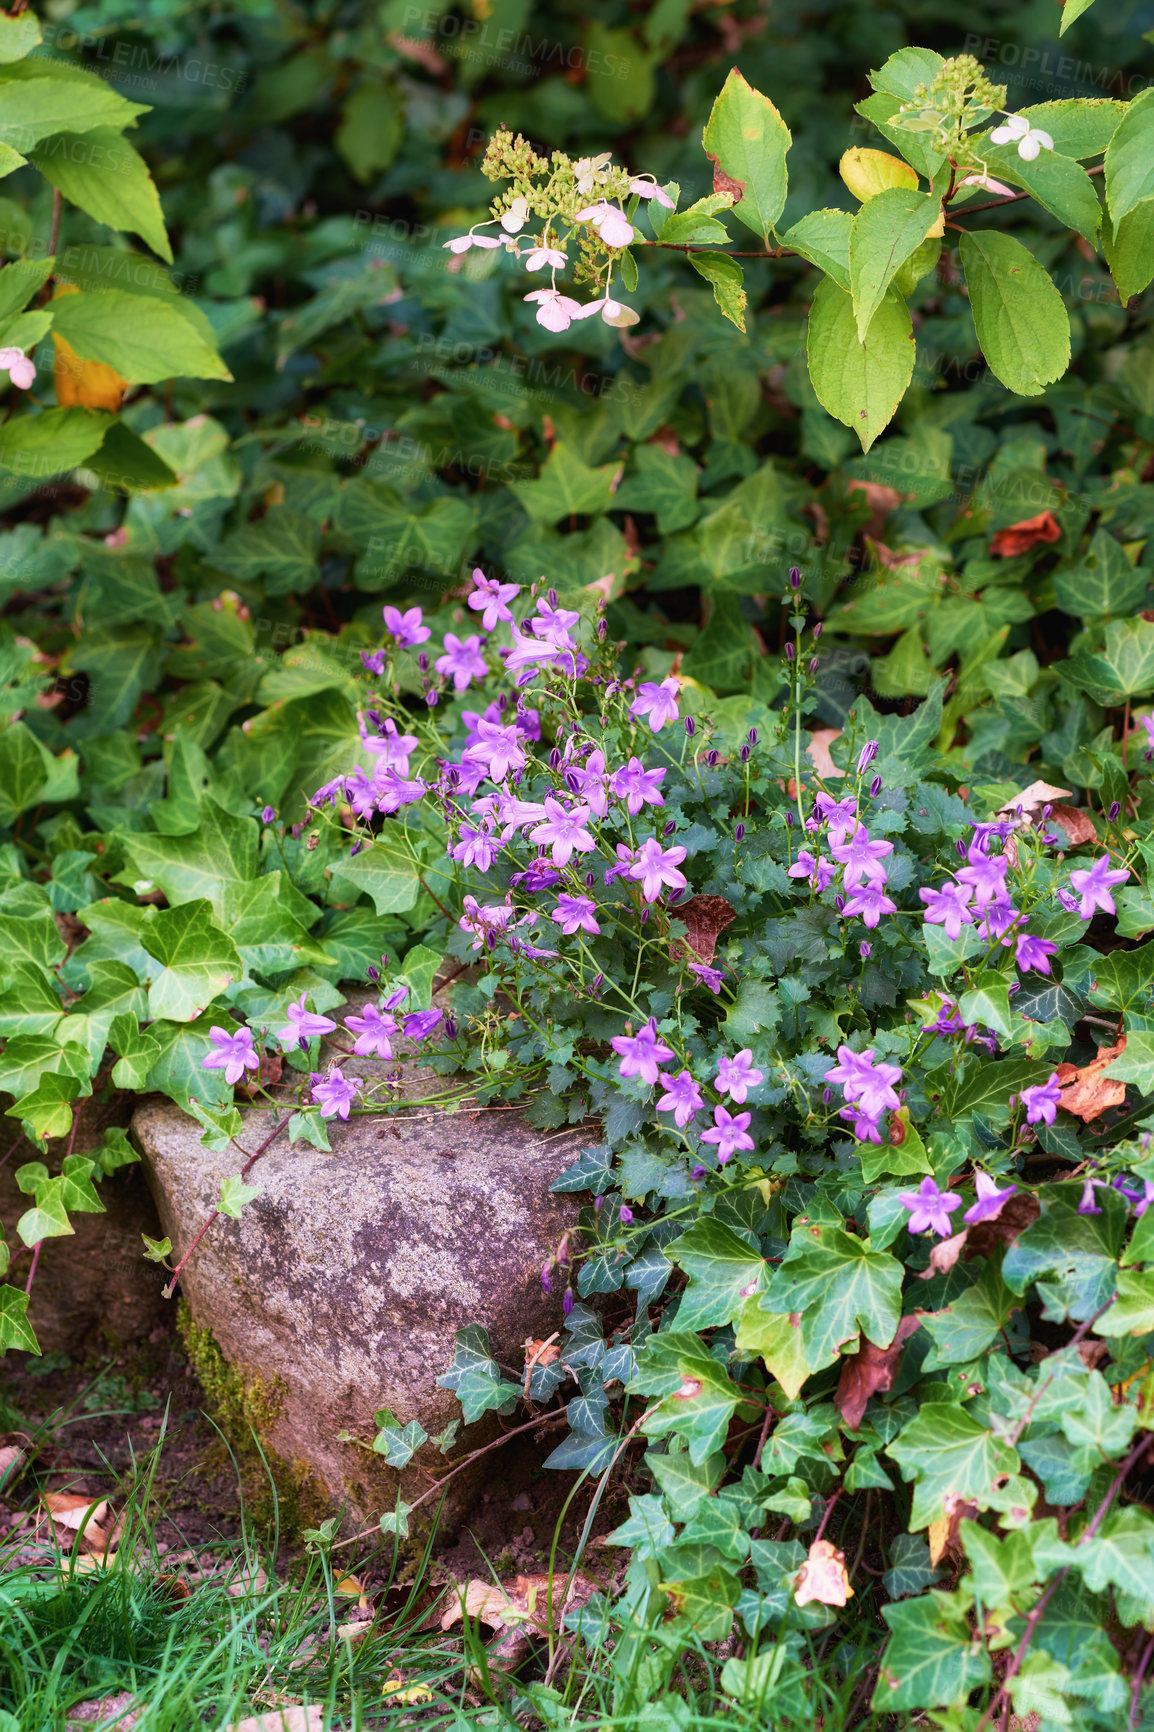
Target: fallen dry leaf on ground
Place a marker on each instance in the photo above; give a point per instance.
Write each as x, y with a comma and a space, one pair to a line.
880, 499
11, 1461
1085, 1091
401, 1694
866, 1372
818, 752
1014, 1216
290, 1719
823, 1577
539, 1353
250, 1579
119, 1709
1021, 537
525, 1600
81, 1513
705, 918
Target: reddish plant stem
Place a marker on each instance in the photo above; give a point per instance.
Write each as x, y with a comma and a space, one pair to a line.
1136, 1691
1035, 1616
244, 1172
32, 1270
826, 1516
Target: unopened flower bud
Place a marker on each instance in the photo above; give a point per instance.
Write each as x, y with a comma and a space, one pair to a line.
598, 1201
961, 848
626, 1214
431, 699
670, 827
814, 664
547, 1276
794, 577
711, 758
839, 904
423, 662
745, 754
739, 833
355, 849
790, 652
864, 950
567, 1301
590, 880
866, 756
451, 1027
752, 736
598, 983
698, 1172
555, 759
373, 973
268, 815
551, 598
571, 782
1115, 808
602, 630
827, 1096
817, 630
675, 896
690, 726
644, 914
876, 786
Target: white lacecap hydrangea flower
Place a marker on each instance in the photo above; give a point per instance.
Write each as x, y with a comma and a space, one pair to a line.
1030, 140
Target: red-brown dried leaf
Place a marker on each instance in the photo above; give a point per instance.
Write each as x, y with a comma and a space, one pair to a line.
870, 1370
706, 918
1016, 1214
1085, 1091
1021, 537
723, 182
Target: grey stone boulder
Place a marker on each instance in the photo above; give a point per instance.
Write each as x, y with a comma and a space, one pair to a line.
340, 1288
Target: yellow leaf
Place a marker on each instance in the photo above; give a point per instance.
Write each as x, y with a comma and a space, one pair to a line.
777, 1337
82, 384
868, 172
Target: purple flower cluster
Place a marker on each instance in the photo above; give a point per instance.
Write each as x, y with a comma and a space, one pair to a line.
851, 848
868, 1089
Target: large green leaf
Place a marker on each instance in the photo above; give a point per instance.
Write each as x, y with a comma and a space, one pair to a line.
565, 487
859, 383
887, 230
1104, 581
1130, 158
15, 1329
1076, 1255
1129, 248
1019, 315
223, 851
281, 547
949, 1453
841, 1286
747, 140
823, 237
100, 172
1122, 668
40, 97
145, 338
52, 441
721, 1267
931, 1660
385, 871
197, 960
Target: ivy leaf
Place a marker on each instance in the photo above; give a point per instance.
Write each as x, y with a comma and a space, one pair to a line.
886, 232
15, 1329
198, 960
396, 1442
931, 1659
722, 1268
78, 1192
48, 1217
1079, 1252
46, 1110
747, 140
841, 1286
234, 1194
859, 383
281, 547
987, 1089
698, 1399
220, 1125
565, 487
1122, 668
1020, 318
970, 1323
1102, 582
777, 1337
948, 1453
475, 1377
384, 870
